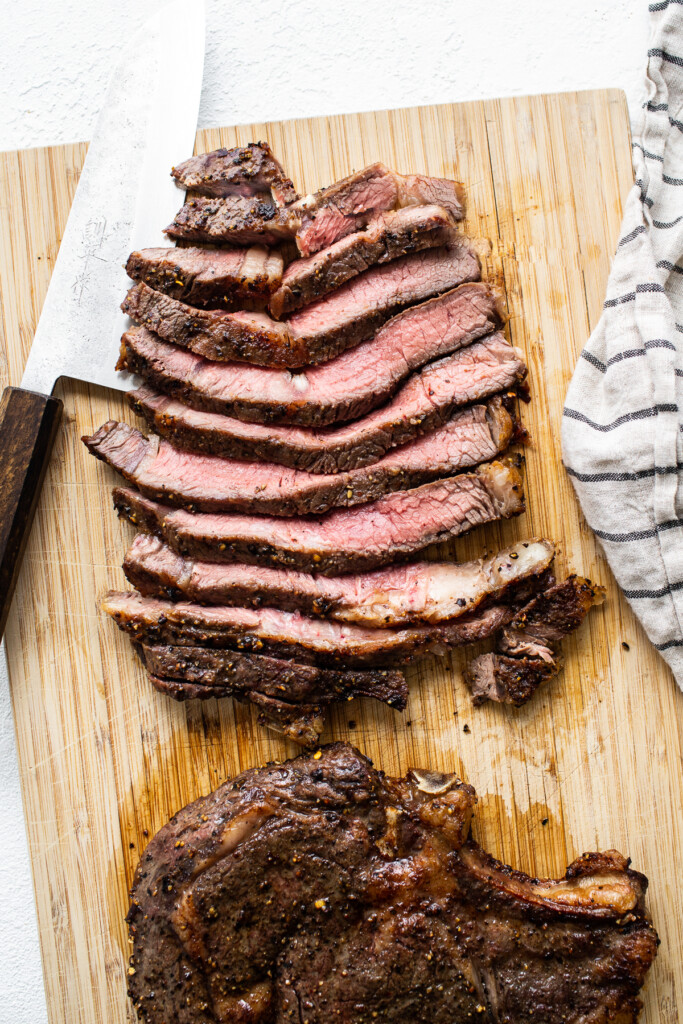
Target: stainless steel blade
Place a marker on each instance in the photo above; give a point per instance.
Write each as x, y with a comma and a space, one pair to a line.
125, 198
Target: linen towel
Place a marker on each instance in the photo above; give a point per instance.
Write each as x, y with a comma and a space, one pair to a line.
622, 428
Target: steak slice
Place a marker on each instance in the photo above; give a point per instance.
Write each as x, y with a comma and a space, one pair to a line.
233, 220
424, 402
387, 236
243, 170
342, 208
526, 649
291, 635
320, 331
392, 529
281, 690
234, 673
320, 889
209, 483
227, 279
418, 592
344, 388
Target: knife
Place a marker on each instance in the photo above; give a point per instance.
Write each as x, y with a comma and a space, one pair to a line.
125, 196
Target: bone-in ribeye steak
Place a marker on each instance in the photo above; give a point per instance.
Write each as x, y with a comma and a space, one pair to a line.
395, 528
316, 333
342, 389
321, 890
243, 170
227, 279
292, 635
422, 591
525, 655
423, 403
387, 236
208, 483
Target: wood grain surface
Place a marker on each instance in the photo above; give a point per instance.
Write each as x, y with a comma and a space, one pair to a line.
593, 762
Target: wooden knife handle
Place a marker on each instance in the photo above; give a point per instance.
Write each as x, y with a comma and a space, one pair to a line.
28, 427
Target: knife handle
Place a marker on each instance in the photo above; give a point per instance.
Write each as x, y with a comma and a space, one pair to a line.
28, 427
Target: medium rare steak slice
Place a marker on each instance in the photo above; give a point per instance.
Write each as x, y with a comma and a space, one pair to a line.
525, 653
424, 402
392, 529
227, 279
320, 331
418, 592
291, 635
342, 389
209, 483
320, 889
244, 170
233, 220
387, 236
342, 208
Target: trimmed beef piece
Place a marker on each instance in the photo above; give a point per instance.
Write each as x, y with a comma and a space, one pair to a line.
281, 690
387, 236
418, 592
424, 402
392, 529
244, 170
342, 208
526, 649
321, 890
209, 483
342, 389
227, 279
233, 673
320, 331
234, 220
292, 635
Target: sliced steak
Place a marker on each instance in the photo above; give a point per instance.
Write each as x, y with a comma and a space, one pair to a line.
342, 208
281, 690
424, 403
387, 236
392, 529
233, 220
227, 279
233, 673
320, 331
291, 635
244, 170
418, 592
342, 389
525, 653
209, 483
321, 890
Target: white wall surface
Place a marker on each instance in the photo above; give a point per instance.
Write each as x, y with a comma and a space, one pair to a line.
270, 60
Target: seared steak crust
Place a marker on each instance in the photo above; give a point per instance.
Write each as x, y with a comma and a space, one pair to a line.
344, 388
317, 333
321, 890
387, 236
392, 529
526, 653
209, 483
234, 219
243, 170
424, 403
227, 279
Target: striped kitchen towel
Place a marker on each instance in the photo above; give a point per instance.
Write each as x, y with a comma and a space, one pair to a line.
622, 433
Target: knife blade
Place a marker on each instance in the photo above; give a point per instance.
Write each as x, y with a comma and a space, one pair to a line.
125, 197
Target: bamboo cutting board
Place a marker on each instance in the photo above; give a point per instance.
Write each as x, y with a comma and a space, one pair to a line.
593, 762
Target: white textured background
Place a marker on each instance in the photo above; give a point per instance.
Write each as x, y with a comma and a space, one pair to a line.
272, 60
